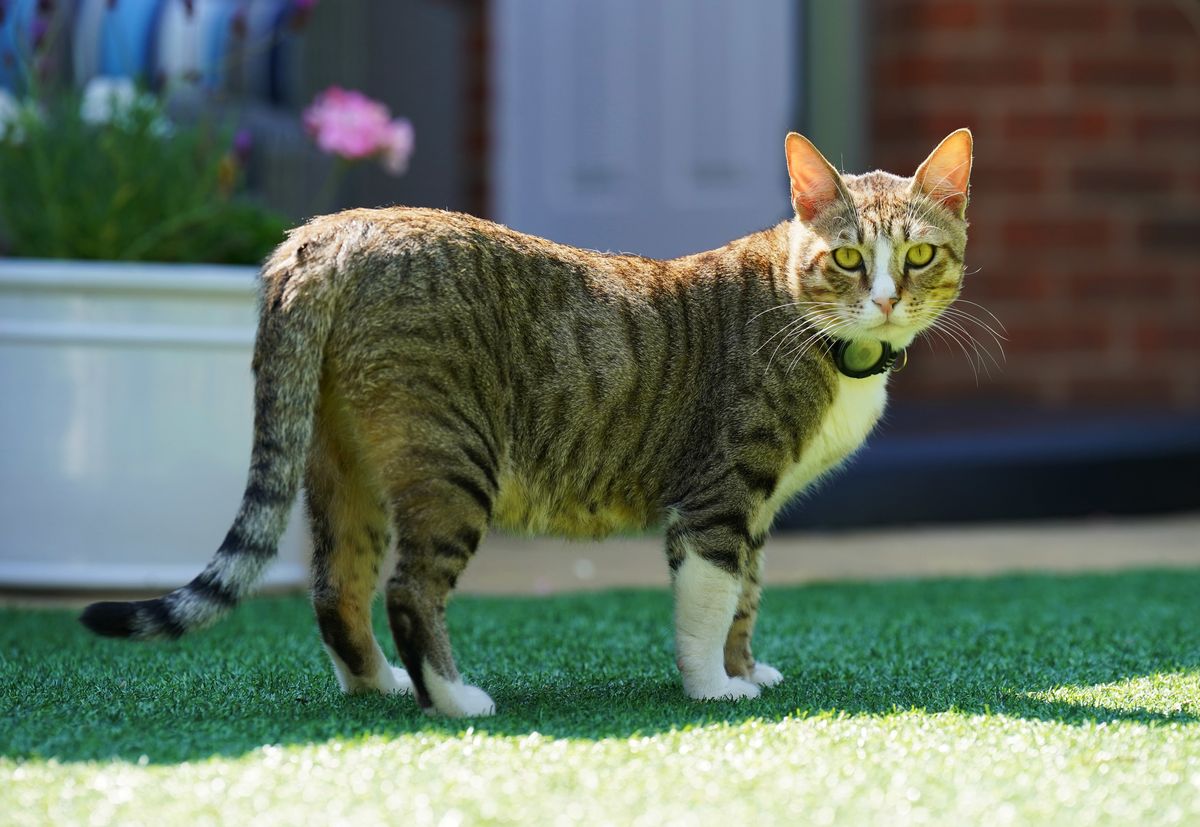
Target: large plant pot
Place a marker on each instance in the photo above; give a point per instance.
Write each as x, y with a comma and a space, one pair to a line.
125, 423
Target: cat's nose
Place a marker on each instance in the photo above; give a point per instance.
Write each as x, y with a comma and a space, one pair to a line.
886, 303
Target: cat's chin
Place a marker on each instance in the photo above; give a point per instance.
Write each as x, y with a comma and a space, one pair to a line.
898, 336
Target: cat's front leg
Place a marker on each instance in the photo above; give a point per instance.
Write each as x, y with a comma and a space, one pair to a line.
707, 582
739, 658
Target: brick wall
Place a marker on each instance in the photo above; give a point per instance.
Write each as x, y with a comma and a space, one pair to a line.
1086, 190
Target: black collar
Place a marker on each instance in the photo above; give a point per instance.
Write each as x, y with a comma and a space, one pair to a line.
853, 358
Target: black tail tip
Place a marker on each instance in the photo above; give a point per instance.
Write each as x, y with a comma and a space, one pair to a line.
110, 619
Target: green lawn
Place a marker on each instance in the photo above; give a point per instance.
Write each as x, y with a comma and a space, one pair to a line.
1068, 700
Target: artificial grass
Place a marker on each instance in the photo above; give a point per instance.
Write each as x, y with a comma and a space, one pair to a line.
1012, 700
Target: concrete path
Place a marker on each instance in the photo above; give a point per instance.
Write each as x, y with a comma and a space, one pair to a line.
519, 565
512, 565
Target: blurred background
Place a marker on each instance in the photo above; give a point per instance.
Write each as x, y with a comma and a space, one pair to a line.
657, 128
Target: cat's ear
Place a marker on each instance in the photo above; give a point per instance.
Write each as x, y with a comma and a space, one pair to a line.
946, 174
815, 183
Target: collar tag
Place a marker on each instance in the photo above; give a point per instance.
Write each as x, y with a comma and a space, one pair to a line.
859, 359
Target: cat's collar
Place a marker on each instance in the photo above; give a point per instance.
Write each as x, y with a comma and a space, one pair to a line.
860, 358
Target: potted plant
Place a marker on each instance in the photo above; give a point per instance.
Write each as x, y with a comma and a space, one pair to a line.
127, 317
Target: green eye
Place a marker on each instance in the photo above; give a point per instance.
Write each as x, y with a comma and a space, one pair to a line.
847, 258
920, 254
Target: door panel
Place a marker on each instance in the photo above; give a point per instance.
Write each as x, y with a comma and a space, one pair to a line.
650, 127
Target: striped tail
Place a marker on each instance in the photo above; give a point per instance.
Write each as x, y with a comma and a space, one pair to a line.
293, 327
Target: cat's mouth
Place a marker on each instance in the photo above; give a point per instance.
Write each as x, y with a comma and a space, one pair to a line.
897, 333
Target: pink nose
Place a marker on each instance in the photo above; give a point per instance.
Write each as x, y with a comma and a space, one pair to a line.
886, 304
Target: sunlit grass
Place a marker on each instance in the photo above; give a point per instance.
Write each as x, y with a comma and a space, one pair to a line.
1068, 700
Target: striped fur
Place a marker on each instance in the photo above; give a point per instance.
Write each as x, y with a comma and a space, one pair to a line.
428, 375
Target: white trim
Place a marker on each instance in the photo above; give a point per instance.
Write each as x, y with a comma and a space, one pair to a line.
98, 574
113, 276
125, 333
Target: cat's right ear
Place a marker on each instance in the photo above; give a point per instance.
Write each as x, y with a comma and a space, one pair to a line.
815, 183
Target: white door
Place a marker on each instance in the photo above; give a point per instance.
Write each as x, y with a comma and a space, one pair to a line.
646, 126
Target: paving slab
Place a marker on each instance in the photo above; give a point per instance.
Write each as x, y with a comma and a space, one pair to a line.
518, 565
510, 565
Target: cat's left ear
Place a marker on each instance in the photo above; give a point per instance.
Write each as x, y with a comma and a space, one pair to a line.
946, 174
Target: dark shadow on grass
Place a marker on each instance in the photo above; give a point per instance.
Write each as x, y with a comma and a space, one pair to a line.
596, 666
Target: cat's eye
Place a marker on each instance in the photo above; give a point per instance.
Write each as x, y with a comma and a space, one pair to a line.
919, 255
847, 258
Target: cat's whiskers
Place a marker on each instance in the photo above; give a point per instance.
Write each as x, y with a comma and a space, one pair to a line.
773, 309
794, 322
821, 337
806, 347
783, 331
948, 341
960, 300
950, 324
814, 326
962, 316
821, 314
956, 334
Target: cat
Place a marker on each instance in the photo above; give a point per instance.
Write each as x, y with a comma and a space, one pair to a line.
428, 375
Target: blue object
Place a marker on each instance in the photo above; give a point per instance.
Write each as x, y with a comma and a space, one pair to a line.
126, 38
16, 43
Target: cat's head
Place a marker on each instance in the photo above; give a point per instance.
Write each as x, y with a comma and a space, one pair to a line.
878, 256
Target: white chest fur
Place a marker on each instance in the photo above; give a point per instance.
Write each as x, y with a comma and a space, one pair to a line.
856, 408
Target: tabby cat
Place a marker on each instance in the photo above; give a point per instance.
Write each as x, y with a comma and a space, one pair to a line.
429, 374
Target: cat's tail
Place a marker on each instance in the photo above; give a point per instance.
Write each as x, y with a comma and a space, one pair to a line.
295, 317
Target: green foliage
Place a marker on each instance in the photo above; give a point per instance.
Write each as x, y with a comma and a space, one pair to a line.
1021, 700
134, 188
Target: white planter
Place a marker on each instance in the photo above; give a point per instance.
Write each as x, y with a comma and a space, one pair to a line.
125, 423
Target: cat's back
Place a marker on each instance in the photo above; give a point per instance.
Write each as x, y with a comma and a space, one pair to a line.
421, 243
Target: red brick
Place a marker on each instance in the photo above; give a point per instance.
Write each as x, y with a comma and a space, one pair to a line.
997, 177
1159, 336
1168, 127
1061, 336
1004, 285
1045, 125
1139, 72
1110, 179
1165, 19
925, 127
1039, 235
1170, 235
1134, 285
1056, 18
1120, 390
931, 15
973, 71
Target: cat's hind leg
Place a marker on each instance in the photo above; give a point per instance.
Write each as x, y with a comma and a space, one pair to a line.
440, 521
352, 533
739, 659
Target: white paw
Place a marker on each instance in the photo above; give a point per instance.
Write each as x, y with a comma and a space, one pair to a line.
456, 700
763, 675
471, 702
397, 682
387, 679
731, 689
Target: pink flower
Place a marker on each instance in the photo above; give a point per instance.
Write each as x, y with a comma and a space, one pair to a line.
351, 125
397, 146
